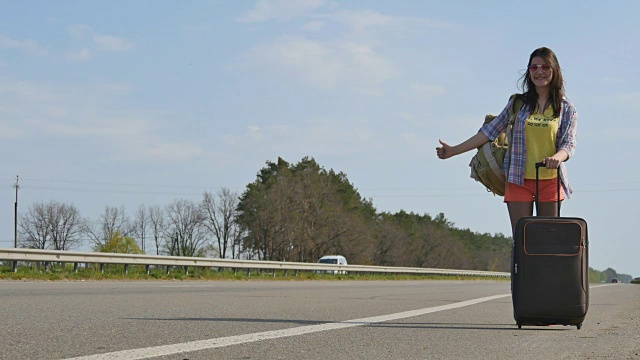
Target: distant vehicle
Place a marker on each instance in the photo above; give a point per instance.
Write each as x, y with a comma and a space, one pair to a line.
636, 280
615, 280
334, 260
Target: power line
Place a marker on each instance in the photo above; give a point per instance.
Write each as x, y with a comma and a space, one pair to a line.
414, 192
209, 187
373, 195
110, 191
118, 184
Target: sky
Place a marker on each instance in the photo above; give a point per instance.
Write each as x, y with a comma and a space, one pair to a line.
120, 103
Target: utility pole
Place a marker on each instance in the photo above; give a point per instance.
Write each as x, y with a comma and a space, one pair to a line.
15, 217
15, 224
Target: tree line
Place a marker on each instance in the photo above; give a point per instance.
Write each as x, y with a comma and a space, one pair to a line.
291, 212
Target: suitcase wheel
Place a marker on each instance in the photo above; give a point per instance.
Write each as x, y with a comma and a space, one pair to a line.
579, 326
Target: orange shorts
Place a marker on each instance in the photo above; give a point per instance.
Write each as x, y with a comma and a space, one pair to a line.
527, 192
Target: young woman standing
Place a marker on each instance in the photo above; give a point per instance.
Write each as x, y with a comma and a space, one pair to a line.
544, 131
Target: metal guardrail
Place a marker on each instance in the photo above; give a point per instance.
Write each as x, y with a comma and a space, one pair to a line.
34, 255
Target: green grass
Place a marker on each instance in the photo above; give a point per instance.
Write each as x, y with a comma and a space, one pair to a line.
137, 272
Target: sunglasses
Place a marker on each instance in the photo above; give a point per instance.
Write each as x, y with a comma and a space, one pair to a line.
545, 68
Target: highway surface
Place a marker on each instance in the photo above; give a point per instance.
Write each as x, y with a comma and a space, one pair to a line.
430, 319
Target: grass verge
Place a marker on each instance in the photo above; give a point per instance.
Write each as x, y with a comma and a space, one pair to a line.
138, 272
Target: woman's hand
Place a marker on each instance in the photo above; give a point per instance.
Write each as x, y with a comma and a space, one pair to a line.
551, 163
444, 151
554, 161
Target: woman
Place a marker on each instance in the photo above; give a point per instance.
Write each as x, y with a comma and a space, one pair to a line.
544, 131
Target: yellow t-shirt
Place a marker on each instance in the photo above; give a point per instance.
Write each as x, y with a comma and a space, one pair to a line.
540, 135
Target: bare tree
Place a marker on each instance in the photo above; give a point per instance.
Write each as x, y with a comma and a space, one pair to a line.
157, 222
34, 228
53, 225
140, 225
67, 225
186, 231
111, 221
219, 218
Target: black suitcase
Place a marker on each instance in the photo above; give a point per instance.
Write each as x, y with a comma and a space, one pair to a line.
550, 269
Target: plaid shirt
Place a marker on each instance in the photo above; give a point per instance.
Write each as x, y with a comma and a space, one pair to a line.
566, 140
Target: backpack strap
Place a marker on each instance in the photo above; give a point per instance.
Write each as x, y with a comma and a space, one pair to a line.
516, 106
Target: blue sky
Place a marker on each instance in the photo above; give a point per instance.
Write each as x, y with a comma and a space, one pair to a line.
124, 103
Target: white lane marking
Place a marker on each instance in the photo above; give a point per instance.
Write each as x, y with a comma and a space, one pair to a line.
155, 351
150, 352
597, 286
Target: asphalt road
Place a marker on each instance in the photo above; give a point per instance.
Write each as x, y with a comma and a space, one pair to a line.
302, 320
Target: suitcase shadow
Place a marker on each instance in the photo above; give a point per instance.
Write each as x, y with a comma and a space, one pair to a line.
394, 325
460, 326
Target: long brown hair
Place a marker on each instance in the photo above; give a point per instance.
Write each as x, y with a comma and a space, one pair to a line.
556, 88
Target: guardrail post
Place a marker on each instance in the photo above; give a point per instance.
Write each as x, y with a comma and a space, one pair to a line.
168, 269
126, 269
75, 267
146, 269
186, 270
15, 266
101, 268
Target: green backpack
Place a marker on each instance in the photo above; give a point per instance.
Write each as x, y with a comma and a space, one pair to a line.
486, 165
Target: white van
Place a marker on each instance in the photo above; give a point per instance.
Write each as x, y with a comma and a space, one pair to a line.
333, 260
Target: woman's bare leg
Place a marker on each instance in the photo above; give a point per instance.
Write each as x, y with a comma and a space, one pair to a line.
517, 210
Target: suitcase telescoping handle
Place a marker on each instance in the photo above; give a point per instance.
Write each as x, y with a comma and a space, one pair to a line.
538, 166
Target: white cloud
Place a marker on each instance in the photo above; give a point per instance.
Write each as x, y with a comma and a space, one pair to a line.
428, 90
10, 132
99, 41
18, 91
617, 136
325, 65
314, 26
56, 112
32, 110
280, 10
29, 46
142, 146
80, 55
111, 43
361, 20
364, 20
321, 137
79, 31
613, 80
126, 138
101, 126
629, 98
